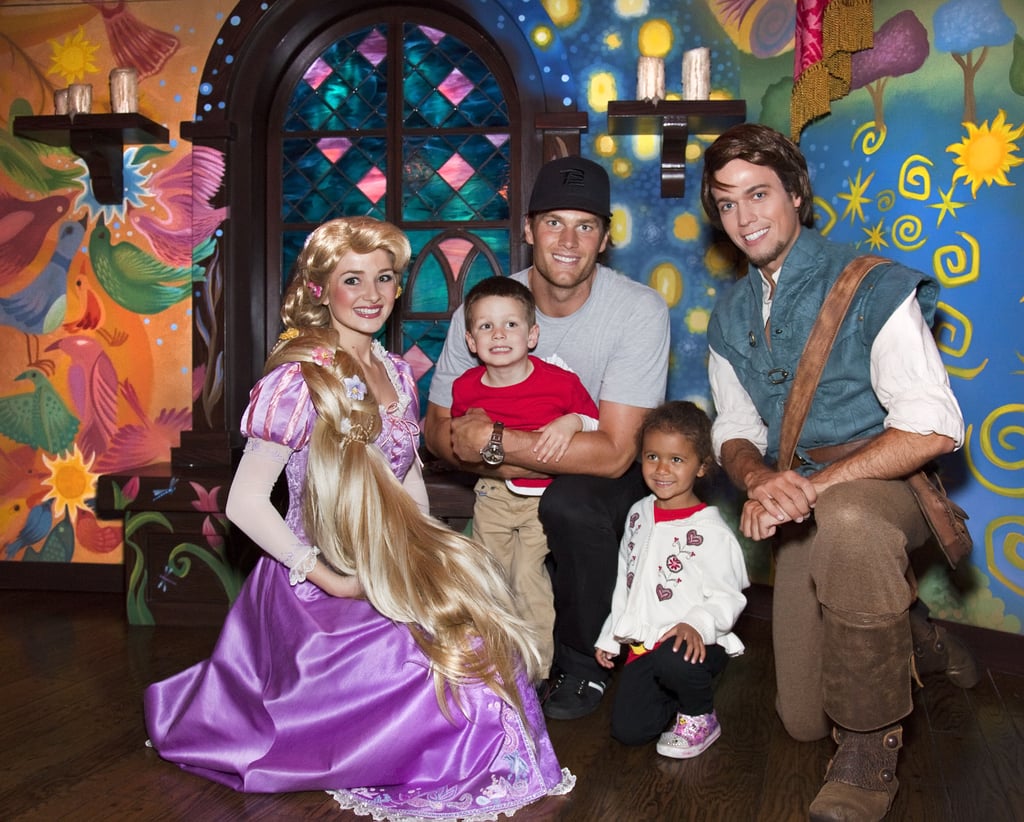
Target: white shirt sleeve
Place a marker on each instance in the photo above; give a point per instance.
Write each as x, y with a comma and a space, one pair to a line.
907, 376
909, 379
737, 416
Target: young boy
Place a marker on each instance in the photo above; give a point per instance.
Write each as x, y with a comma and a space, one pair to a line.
678, 594
521, 392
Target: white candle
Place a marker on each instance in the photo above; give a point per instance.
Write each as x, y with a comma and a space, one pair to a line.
697, 74
650, 79
124, 90
79, 98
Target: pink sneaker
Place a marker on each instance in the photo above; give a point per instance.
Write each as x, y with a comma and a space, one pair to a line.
691, 736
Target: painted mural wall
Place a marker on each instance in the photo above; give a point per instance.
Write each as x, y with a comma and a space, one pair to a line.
918, 162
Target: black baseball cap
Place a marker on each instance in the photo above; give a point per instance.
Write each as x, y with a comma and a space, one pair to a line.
572, 183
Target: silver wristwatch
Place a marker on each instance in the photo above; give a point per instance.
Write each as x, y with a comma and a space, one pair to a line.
494, 453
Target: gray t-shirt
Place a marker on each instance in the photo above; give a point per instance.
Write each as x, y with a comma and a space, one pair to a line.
617, 343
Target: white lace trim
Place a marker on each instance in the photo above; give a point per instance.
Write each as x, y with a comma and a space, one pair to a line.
307, 562
275, 451
349, 802
397, 409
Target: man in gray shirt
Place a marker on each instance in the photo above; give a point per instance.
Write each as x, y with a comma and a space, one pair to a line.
614, 334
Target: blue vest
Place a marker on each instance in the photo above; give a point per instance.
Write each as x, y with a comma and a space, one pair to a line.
845, 407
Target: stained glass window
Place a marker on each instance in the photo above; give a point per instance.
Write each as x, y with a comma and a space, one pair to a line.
404, 122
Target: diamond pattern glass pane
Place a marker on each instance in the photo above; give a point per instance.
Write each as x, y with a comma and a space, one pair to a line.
332, 177
433, 292
455, 177
446, 85
455, 139
345, 87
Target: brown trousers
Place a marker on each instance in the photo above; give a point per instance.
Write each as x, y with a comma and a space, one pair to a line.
507, 525
848, 567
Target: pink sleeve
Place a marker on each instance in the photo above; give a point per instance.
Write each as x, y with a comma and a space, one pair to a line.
280, 409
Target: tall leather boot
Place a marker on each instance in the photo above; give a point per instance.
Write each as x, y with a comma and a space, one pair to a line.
867, 689
936, 649
860, 782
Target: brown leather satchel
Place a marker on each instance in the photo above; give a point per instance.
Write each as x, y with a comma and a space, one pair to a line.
945, 518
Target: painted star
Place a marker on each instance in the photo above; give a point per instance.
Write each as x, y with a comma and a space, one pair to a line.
855, 200
876, 236
947, 205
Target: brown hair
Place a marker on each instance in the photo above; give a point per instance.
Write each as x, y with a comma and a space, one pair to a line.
685, 418
500, 286
762, 146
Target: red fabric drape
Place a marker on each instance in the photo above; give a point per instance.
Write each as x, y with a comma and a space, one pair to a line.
827, 33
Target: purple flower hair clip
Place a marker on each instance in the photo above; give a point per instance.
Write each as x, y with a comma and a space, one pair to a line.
316, 290
355, 388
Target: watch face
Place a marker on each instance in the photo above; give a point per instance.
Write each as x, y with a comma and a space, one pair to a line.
493, 454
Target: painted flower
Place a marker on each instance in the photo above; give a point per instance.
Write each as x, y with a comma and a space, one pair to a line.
323, 357
289, 334
355, 388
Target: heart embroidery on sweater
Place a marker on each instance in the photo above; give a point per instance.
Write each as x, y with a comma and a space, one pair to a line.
693, 538
663, 593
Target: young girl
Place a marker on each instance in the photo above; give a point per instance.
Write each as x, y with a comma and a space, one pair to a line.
413, 701
678, 593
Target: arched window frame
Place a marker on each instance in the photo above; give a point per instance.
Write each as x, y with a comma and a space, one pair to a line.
257, 52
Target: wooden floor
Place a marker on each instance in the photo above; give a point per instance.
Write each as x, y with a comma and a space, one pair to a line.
72, 738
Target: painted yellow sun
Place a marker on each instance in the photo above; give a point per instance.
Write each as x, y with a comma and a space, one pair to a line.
986, 153
73, 58
71, 482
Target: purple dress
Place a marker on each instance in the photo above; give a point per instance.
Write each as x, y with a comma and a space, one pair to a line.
305, 691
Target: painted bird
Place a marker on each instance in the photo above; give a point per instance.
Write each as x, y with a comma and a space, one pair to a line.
24, 225
135, 279
134, 43
39, 417
37, 526
22, 159
184, 192
150, 441
40, 307
92, 385
59, 545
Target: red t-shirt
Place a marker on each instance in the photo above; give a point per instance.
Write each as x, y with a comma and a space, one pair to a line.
548, 393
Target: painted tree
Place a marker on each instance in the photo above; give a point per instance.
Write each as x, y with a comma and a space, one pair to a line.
1017, 66
961, 26
900, 47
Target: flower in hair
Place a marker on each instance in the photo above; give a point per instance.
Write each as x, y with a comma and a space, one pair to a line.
288, 334
355, 388
315, 289
322, 356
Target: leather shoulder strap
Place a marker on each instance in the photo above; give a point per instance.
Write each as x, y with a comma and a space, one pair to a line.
816, 351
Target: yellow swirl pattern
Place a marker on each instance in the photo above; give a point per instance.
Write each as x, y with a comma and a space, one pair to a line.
885, 200
946, 338
825, 216
872, 138
988, 441
962, 267
1010, 561
906, 233
914, 172
947, 332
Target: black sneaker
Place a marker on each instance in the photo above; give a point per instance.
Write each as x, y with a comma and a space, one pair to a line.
570, 697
